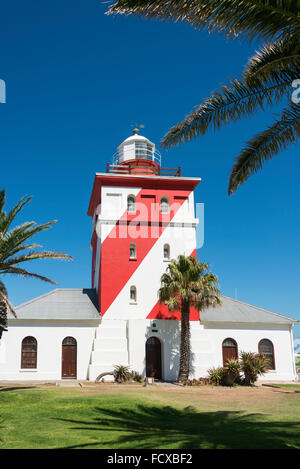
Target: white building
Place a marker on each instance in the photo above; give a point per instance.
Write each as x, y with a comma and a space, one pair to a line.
143, 215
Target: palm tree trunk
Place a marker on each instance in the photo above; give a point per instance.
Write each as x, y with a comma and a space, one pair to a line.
3, 317
184, 363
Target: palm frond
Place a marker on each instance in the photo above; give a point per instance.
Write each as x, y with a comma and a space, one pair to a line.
190, 281
14, 248
2, 199
18, 235
4, 225
265, 146
14, 251
231, 104
261, 19
33, 255
173, 303
24, 273
274, 61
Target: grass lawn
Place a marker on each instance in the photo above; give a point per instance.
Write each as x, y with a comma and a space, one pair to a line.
156, 417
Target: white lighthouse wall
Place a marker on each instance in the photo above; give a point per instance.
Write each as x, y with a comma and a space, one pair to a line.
114, 202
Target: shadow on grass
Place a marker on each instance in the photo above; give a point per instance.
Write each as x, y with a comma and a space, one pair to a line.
150, 427
15, 388
1, 428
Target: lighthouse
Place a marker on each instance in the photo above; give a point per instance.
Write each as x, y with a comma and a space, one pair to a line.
143, 216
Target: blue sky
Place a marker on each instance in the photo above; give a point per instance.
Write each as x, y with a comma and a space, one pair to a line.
76, 81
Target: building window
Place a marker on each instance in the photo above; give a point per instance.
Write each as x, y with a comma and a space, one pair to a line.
166, 252
133, 294
29, 353
69, 341
229, 350
131, 203
164, 205
132, 251
266, 347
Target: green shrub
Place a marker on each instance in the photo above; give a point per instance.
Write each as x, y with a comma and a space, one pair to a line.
136, 376
250, 364
215, 375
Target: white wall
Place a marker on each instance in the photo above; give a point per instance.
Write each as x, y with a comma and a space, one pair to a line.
206, 342
49, 335
206, 346
247, 338
168, 334
114, 205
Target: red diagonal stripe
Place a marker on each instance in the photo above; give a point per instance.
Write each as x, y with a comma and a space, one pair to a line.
116, 267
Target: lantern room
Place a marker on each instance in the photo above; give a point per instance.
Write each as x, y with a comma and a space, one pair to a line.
138, 155
136, 147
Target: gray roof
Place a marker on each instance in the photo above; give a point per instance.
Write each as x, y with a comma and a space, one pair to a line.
236, 311
61, 304
82, 304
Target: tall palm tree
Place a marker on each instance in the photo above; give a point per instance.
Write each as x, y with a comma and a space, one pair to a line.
14, 250
187, 283
267, 79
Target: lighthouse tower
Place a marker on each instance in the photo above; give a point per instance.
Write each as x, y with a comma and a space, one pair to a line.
143, 216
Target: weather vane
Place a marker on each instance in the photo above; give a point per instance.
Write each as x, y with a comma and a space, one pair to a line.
137, 127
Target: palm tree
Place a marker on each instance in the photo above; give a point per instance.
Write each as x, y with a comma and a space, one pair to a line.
187, 283
267, 79
14, 250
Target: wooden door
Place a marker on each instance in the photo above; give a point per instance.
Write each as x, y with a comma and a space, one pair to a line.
69, 358
230, 350
153, 358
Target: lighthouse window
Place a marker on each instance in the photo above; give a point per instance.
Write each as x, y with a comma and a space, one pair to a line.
133, 294
132, 251
140, 150
166, 251
164, 205
131, 203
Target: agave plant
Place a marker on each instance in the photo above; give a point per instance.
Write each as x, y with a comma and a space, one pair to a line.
253, 365
122, 373
267, 80
14, 251
231, 371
